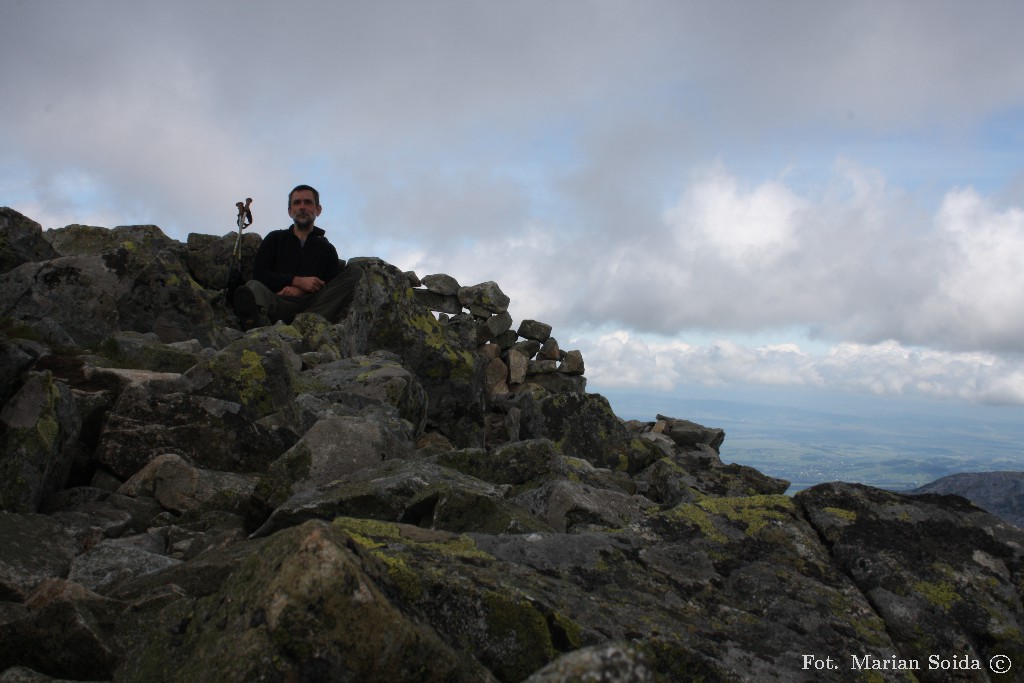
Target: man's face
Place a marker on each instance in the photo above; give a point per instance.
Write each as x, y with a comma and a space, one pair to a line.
303, 209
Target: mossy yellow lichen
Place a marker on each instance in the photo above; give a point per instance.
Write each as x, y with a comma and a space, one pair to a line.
462, 547
941, 594
366, 532
515, 621
407, 580
847, 515
251, 376
695, 515
756, 512
573, 632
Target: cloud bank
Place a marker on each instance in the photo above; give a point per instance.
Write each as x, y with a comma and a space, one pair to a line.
673, 170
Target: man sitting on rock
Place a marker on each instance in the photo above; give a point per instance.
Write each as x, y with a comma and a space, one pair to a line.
296, 270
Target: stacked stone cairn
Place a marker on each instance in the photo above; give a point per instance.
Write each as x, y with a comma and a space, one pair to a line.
518, 360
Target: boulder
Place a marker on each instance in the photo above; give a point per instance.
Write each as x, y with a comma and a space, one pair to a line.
307, 606
944, 575
336, 446
409, 491
33, 548
21, 240
39, 426
486, 295
385, 316
181, 487
375, 379
210, 259
65, 632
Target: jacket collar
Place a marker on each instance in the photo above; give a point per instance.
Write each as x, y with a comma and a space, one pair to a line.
316, 232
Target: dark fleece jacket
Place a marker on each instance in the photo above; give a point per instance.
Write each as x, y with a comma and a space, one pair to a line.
282, 256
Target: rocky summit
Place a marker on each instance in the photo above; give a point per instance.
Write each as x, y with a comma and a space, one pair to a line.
422, 491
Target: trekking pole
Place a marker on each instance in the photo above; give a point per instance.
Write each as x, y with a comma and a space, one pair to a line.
244, 221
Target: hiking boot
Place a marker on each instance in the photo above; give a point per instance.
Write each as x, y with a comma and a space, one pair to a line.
248, 311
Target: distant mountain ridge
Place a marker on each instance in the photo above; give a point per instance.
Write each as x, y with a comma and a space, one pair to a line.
1001, 493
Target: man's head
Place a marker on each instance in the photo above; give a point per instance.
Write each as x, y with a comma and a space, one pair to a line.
304, 206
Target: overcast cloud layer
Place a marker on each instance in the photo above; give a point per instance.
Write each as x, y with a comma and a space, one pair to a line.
780, 193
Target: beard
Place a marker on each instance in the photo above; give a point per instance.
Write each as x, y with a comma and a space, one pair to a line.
304, 220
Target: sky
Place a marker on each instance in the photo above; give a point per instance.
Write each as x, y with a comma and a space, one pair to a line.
713, 195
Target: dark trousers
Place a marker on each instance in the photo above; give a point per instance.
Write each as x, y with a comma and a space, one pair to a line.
331, 302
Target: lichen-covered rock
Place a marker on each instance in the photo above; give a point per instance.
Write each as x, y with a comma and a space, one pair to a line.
71, 300
259, 372
336, 446
306, 607
21, 240
486, 295
38, 429
571, 507
409, 491
135, 350
527, 464
164, 299
88, 240
945, 576
211, 259
491, 520
584, 426
181, 487
113, 561
386, 316
65, 632
617, 662
129, 278
207, 432
375, 379
33, 548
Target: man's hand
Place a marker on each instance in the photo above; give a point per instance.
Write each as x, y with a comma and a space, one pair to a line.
309, 283
290, 291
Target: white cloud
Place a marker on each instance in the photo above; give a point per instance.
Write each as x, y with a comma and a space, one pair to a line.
620, 360
665, 167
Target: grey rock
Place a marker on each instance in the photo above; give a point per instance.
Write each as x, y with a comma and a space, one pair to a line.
518, 363
487, 295
441, 303
335, 447
113, 561
66, 632
375, 379
311, 607
181, 487
409, 491
961, 598
618, 662
33, 548
690, 434
442, 284
572, 363
210, 259
549, 350
21, 240
537, 331
38, 428
570, 507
